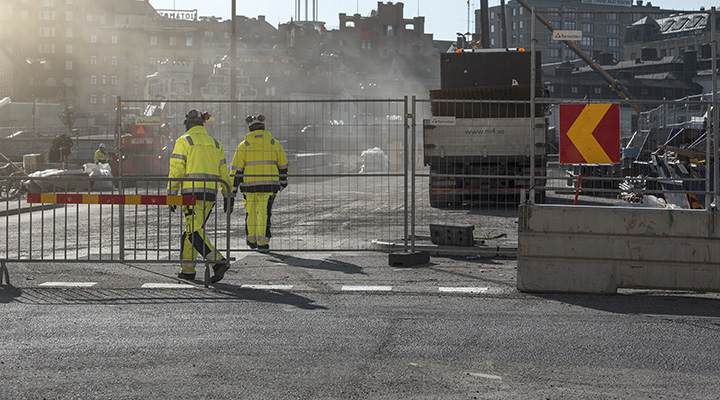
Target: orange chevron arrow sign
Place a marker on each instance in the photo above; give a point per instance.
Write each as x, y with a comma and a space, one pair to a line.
589, 133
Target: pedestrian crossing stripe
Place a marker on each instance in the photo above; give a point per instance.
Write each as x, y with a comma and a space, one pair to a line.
589, 133
68, 284
72, 198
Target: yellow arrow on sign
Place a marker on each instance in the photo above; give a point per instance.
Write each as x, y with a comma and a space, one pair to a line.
580, 133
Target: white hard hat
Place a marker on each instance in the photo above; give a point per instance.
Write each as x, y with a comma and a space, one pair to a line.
102, 145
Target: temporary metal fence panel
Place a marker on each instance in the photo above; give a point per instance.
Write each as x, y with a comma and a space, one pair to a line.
73, 217
346, 164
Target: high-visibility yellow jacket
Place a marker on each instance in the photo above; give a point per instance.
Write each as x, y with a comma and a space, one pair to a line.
100, 157
259, 154
198, 156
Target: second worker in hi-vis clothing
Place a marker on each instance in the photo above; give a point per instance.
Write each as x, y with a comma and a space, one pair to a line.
259, 170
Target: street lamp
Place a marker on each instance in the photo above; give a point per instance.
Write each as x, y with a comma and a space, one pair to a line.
34, 62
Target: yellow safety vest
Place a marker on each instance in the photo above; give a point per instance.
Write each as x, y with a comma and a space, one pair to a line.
100, 157
259, 154
198, 156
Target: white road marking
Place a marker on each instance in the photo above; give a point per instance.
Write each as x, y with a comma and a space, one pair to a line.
463, 289
487, 376
167, 286
267, 287
367, 288
69, 284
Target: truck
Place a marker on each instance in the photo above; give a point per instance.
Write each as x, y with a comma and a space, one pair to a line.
478, 143
144, 150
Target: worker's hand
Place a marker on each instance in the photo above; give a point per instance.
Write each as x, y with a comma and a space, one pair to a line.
172, 208
229, 205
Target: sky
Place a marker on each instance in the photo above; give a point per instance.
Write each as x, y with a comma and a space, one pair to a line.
443, 18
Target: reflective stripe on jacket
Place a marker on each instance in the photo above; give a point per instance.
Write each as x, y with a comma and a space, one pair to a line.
198, 156
259, 154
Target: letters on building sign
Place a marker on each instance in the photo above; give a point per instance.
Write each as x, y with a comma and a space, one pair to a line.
185, 15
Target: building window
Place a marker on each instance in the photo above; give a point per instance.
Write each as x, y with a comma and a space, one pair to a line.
153, 40
113, 39
68, 32
587, 41
172, 40
104, 80
68, 65
586, 16
570, 13
68, 49
574, 90
93, 38
93, 80
188, 41
514, 25
209, 34
569, 25
551, 89
587, 27
613, 42
104, 99
389, 30
598, 90
520, 24
554, 52
93, 60
152, 61
612, 29
68, 16
114, 61
612, 16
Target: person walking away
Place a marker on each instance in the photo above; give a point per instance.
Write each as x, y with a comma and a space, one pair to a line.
199, 156
259, 170
100, 155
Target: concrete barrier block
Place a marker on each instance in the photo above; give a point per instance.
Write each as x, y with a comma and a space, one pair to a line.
561, 276
577, 249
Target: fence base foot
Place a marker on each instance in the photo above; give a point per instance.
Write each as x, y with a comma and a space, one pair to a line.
409, 258
4, 273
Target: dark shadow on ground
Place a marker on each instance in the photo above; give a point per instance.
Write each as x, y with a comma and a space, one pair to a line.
218, 293
646, 303
328, 265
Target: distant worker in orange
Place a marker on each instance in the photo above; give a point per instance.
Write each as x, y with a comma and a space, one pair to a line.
199, 157
259, 170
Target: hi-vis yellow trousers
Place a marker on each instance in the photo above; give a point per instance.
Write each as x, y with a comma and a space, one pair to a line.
194, 240
258, 210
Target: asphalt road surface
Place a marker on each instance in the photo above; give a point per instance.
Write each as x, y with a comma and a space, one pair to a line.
345, 326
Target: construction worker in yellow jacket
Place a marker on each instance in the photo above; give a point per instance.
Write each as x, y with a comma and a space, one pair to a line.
259, 170
100, 156
198, 156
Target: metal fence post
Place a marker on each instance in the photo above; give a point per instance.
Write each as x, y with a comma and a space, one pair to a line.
406, 158
532, 108
413, 174
121, 207
716, 169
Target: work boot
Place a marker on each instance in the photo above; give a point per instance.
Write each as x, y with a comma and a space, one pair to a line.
219, 268
263, 248
186, 275
251, 245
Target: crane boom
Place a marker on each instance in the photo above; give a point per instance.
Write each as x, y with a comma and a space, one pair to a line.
615, 85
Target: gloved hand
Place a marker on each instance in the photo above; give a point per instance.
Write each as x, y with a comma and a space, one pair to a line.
172, 208
229, 205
